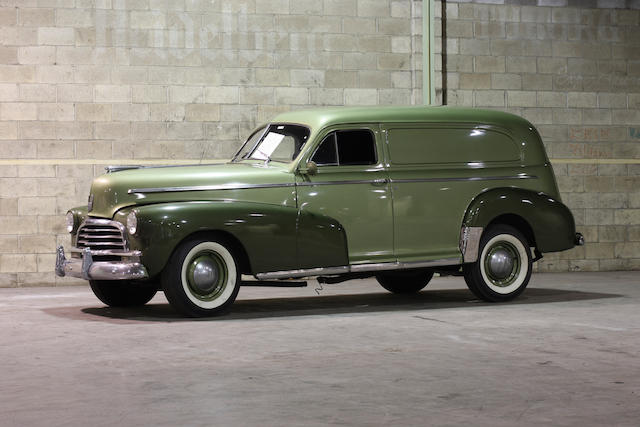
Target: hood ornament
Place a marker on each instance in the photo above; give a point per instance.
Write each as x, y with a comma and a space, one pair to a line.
112, 169
90, 203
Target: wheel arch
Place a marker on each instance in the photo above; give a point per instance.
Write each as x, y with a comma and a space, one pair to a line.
232, 243
517, 222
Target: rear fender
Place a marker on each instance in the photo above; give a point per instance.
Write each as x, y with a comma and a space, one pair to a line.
550, 221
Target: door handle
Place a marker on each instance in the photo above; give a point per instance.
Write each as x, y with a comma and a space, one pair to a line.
379, 182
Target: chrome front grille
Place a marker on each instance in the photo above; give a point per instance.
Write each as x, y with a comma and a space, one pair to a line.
101, 234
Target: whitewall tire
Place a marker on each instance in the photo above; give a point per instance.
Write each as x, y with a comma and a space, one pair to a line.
504, 264
201, 278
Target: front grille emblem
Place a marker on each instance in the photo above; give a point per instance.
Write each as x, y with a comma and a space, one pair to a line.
90, 203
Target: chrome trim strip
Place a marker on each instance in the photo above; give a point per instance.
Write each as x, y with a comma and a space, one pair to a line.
355, 268
208, 188
118, 168
308, 272
470, 178
354, 181
88, 243
314, 183
101, 221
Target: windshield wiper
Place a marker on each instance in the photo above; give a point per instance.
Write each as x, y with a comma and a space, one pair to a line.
268, 157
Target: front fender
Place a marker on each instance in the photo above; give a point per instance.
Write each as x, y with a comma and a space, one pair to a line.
550, 220
275, 238
267, 232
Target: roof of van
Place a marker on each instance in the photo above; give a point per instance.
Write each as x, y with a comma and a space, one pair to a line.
321, 117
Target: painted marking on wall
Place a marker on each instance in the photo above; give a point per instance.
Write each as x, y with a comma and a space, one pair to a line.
634, 133
586, 150
597, 161
589, 134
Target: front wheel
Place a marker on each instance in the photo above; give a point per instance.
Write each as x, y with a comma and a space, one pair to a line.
122, 293
503, 268
201, 278
405, 282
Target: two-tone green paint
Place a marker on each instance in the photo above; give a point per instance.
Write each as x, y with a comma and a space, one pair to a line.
551, 222
115, 191
270, 235
285, 219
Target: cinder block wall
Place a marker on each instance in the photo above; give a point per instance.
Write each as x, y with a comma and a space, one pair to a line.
573, 69
84, 83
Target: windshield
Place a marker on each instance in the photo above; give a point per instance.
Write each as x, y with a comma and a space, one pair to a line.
281, 143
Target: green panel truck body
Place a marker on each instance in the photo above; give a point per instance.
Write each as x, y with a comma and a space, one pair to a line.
437, 169
336, 193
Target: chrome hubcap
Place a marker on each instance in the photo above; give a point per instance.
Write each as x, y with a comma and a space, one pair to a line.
206, 275
500, 263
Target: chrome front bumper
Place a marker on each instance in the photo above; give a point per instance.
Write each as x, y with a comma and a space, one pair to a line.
88, 269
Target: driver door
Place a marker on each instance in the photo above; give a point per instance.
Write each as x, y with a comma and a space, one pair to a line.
352, 187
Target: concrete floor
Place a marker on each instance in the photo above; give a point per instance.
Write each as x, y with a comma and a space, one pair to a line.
565, 353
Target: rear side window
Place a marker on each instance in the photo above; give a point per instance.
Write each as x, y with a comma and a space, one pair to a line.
450, 145
346, 147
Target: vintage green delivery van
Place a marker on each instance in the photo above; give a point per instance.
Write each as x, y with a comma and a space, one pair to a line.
395, 193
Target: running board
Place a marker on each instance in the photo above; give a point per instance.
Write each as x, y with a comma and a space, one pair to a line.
271, 283
356, 268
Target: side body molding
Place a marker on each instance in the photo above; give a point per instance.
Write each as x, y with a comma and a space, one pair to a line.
551, 221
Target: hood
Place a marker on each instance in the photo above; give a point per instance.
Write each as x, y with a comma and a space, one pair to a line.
226, 181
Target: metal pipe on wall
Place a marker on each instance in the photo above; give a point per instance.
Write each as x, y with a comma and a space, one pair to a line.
428, 43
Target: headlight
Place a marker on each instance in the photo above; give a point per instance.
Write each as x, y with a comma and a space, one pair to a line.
71, 222
132, 223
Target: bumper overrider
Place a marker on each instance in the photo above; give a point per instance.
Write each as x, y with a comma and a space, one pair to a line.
86, 268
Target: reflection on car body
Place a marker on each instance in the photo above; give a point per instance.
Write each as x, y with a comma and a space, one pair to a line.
397, 193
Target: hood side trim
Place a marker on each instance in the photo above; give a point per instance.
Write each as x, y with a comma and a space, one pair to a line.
206, 188
118, 168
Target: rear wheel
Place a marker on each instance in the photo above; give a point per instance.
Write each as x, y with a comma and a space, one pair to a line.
503, 268
122, 293
405, 282
201, 278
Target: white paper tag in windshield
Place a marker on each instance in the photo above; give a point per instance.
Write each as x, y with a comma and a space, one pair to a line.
268, 146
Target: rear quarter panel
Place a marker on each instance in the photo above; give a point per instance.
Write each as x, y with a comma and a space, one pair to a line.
551, 221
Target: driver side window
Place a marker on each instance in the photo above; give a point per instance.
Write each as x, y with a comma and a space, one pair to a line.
346, 147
